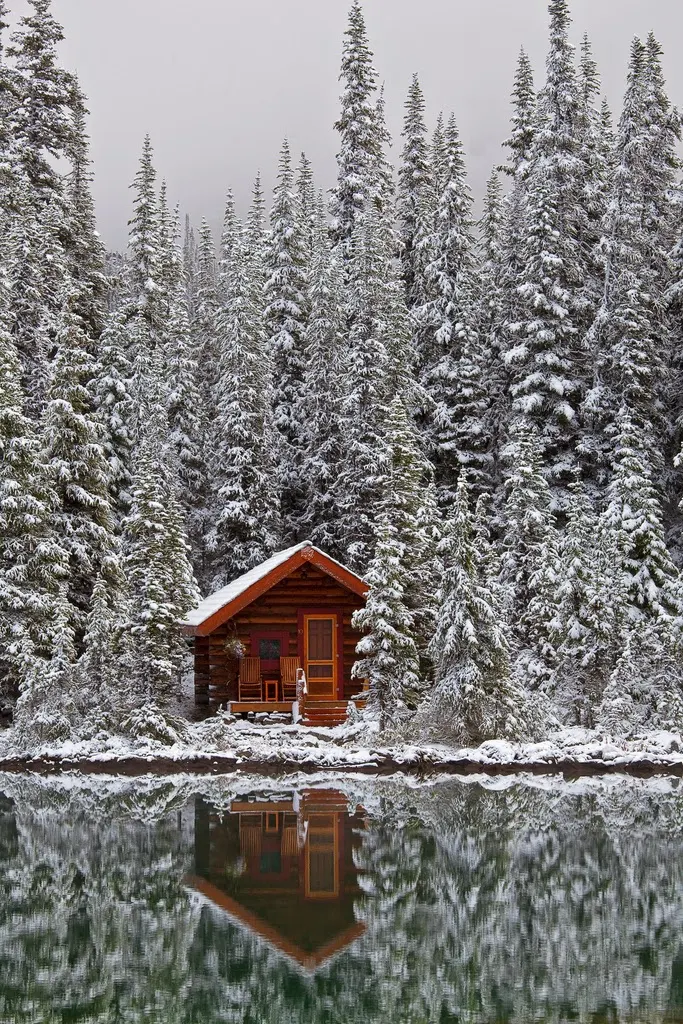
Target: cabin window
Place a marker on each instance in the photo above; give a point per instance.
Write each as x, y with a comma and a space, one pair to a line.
269, 650
271, 863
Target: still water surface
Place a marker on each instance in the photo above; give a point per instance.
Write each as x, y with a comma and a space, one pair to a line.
150, 901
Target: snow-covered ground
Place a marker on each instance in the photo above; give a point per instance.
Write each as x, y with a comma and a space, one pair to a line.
228, 743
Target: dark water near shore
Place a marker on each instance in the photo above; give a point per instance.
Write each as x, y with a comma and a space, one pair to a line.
202, 901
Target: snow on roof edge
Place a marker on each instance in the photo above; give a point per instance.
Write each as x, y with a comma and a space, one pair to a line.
214, 602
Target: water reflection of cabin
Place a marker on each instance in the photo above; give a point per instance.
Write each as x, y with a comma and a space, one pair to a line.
292, 612
283, 869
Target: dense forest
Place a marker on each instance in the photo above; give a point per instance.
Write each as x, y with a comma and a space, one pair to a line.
483, 418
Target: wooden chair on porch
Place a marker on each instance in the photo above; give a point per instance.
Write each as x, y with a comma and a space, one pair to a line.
288, 667
249, 686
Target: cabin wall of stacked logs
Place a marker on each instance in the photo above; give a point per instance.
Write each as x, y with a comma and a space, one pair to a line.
216, 671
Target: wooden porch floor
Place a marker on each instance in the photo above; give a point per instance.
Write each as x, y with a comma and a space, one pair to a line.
270, 707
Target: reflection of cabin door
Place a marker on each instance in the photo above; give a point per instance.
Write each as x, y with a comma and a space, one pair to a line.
320, 656
322, 857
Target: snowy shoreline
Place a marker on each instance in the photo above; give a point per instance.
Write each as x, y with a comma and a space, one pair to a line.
284, 749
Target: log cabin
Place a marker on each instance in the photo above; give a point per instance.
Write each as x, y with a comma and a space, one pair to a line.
280, 639
283, 869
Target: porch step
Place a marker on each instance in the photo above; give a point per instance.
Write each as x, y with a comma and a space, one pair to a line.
326, 713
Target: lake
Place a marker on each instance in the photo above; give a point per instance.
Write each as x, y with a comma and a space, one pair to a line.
340, 900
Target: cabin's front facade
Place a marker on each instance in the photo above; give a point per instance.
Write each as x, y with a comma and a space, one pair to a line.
293, 612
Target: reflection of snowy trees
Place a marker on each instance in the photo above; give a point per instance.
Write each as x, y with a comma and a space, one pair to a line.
480, 905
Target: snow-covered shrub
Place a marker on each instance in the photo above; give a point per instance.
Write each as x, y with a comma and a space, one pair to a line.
149, 722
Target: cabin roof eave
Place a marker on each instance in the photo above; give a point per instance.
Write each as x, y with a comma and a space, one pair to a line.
218, 608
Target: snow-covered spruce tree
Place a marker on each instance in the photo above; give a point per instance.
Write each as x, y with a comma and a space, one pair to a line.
184, 408
645, 691
231, 235
33, 566
530, 563
161, 584
84, 250
629, 334
546, 379
450, 346
42, 119
596, 154
360, 138
307, 206
415, 516
245, 521
520, 143
492, 305
115, 405
587, 626
474, 697
366, 378
325, 346
144, 312
439, 157
73, 447
286, 314
388, 656
416, 194
634, 515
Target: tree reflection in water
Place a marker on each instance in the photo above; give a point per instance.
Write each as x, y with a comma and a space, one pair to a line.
145, 901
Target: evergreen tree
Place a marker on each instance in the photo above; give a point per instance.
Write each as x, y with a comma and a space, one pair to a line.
84, 249
184, 403
530, 565
203, 320
360, 152
325, 345
307, 204
629, 334
73, 439
367, 375
546, 379
285, 316
586, 629
520, 143
416, 194
43, 124
634, 515
245, 517
414, 515
474, 697
596, 156
451, 349
161, 584
388, 654
492, 306
115, 404
33, 566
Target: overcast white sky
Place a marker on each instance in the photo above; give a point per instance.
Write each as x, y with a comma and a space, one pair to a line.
218, 83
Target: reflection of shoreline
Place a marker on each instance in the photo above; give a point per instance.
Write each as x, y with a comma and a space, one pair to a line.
415, 764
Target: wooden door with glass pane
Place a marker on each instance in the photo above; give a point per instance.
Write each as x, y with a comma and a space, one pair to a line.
320, 656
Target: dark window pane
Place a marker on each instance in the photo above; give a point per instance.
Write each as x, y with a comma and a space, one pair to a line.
269, 650
271, 863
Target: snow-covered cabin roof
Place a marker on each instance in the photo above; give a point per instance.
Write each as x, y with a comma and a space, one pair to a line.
221, 606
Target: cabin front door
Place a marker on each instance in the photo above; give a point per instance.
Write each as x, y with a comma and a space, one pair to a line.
320, 655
